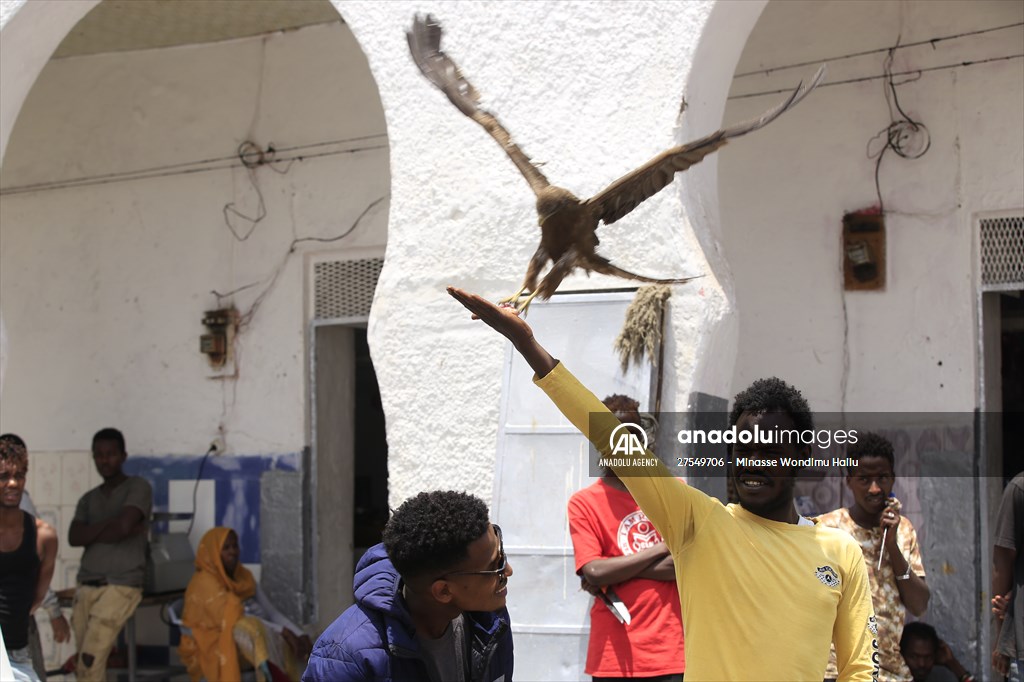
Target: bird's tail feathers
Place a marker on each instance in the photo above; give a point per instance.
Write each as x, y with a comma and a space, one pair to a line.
425, 46
767, 117
604, 266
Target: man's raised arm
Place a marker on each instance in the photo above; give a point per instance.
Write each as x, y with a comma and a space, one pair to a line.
666, 501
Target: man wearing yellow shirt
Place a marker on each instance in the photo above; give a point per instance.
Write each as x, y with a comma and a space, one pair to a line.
763, 591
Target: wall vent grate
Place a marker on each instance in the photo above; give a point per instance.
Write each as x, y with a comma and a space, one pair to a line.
344, 288
1002, 253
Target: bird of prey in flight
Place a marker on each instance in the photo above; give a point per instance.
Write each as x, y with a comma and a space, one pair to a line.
568, 224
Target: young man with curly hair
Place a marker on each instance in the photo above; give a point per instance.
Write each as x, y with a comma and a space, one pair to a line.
763, 591
430, 601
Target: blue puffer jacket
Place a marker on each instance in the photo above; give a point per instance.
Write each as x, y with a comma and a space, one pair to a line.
373, 640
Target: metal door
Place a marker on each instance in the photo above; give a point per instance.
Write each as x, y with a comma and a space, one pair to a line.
541, 461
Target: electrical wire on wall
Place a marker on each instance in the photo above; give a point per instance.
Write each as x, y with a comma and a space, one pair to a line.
907, 138
303, 152
252, 157
245, 319
934, 41
195, 487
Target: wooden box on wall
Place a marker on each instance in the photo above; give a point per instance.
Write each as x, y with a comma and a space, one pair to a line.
863, 251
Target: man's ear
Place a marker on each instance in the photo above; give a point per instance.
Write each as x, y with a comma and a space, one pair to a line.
441, 591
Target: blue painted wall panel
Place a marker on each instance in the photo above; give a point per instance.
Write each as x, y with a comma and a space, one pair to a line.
236, 485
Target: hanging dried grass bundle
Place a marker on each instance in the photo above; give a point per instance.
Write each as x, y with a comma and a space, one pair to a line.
641, 333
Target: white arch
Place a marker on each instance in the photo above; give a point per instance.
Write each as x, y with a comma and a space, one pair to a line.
722, 40
29, 33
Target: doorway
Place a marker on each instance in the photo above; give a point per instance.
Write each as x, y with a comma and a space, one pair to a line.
1011, 341
349, 468
370, 511
1000, 248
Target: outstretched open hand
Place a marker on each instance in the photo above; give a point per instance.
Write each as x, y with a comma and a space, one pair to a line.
506, 321
503, 319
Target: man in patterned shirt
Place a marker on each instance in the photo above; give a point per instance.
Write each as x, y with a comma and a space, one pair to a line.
899, 584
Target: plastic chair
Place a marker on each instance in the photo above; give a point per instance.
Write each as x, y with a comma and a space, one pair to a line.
174, 610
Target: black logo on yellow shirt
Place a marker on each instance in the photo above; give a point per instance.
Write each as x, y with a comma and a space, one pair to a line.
827, 576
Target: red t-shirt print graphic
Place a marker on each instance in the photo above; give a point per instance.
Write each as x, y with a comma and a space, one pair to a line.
636, 533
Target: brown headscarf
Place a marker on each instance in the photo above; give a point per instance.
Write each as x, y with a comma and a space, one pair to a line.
213, 604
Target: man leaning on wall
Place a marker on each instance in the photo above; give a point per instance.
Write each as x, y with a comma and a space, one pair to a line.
111, 523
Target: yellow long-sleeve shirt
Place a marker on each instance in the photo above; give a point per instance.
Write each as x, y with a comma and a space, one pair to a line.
761, 600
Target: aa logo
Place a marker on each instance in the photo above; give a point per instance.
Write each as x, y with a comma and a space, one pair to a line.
627, 440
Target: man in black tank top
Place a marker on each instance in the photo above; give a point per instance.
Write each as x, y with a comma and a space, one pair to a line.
28, 551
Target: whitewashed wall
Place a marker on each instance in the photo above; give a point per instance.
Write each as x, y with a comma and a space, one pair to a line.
104, 286
912, 346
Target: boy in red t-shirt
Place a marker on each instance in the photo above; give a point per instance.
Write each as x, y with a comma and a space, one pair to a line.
615, 545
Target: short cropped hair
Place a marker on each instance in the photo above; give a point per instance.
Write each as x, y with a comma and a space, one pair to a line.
109, 434
431, 532
13, 450
921, 631
870, 444
773, 395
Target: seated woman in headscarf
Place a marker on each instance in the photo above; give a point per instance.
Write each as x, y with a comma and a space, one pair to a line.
230, 618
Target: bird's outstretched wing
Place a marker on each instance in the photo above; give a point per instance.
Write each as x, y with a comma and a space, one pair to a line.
425, 46
629, 191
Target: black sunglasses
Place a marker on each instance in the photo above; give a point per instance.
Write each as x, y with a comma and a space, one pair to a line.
502, 563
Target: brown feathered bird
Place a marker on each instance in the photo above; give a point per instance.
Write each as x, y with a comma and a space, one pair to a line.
569, 225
